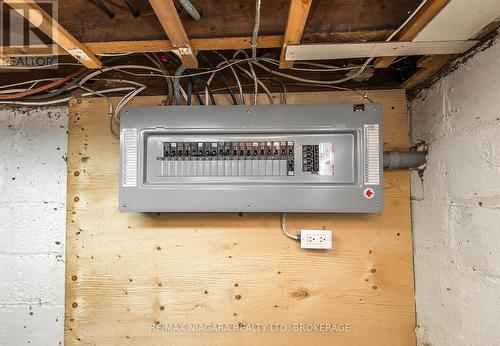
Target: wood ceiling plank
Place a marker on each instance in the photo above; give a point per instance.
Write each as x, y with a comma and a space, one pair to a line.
49, 26
411, 30
227, 43
170, 21
233, 18
430, 66
296, 23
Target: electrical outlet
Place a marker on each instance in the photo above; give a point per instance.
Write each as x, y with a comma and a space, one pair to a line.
315, 239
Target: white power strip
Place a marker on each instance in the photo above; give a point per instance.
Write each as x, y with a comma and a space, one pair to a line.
315, 239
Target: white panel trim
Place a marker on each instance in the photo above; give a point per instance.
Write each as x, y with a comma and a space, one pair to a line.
371, 147
374, 49
129, 159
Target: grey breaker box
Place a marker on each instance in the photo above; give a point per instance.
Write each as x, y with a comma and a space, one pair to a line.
280, 158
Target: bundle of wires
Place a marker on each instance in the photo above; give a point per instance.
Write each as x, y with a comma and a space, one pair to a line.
51, 91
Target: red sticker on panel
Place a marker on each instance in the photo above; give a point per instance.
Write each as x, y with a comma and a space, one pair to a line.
369, 193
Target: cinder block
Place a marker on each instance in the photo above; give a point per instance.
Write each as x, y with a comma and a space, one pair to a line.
32, 227
31, 279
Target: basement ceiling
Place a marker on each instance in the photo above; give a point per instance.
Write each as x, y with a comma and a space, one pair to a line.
328, 20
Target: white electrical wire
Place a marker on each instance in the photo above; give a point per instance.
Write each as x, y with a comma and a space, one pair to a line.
262, 85
125, 100
256, 29
419, 7
329, 69
28, 82
116, 80
154, 61
313, 81
62, 100
207, 100
12, 91
285, 229
110, 104
254, 75
110, 110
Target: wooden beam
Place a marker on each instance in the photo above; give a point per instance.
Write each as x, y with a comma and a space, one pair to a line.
430, 66
48, 25
297, 18
170, 21
226, 43
410, 31
219, 43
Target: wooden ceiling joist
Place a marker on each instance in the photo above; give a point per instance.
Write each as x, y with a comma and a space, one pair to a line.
49, 26
297, 18
170, 21
200, 44
430, 65
411, 30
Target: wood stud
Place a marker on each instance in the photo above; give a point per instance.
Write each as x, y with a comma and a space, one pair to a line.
170, 21
296, 23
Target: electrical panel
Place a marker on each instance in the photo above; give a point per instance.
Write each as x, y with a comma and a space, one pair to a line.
278, 158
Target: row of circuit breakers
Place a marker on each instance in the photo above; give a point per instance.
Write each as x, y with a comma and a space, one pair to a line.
286, 158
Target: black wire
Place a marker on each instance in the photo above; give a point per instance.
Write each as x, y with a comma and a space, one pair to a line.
212, 98
174, 58
135, 12
204, 85
272, 79
105, 9
189, 93
220, 75
210, 94
196, 93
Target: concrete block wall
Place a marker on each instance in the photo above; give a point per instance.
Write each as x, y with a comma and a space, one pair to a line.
33, 143
456, 206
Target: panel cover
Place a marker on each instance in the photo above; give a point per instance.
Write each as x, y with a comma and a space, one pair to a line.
279, 158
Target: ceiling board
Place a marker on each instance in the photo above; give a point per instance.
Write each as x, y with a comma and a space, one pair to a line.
235, 18
460, 20
374, 49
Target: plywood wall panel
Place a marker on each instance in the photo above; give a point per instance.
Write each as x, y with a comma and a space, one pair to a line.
127, 271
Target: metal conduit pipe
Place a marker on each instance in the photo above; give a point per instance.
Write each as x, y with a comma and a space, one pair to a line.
404, 159
193, 12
